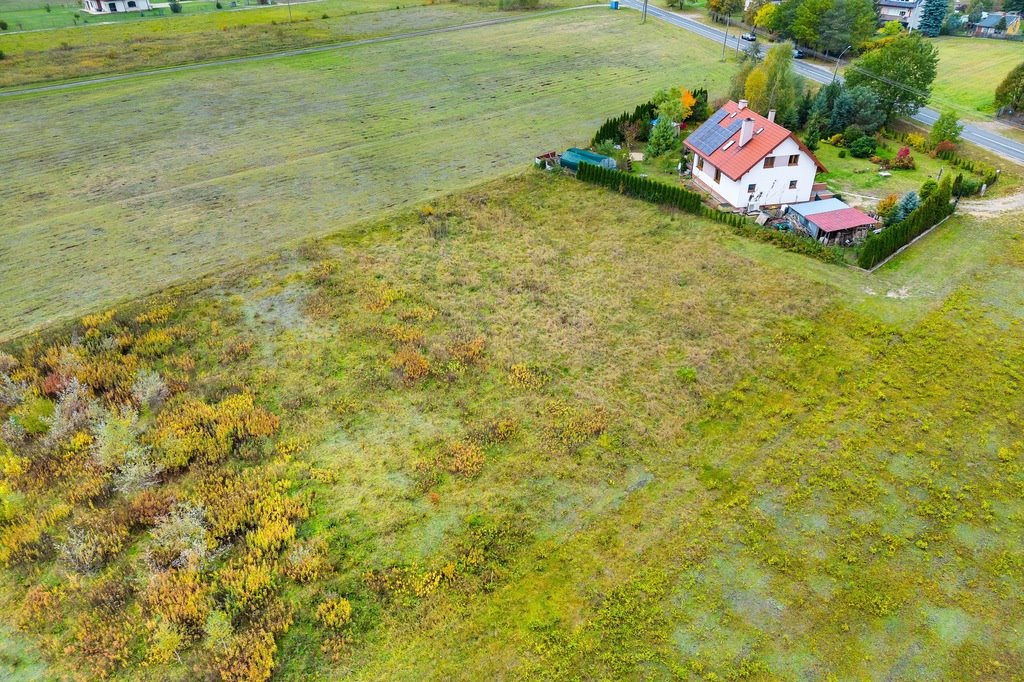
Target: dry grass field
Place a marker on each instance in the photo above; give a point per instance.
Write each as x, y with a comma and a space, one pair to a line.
157, 180
540, 431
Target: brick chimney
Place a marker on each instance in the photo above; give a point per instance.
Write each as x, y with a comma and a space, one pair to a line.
746, 131
771, 115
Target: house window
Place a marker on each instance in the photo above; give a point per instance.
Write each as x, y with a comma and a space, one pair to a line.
718, 175
794, 159
131, 3
792, 184
700, 163
769, 162
750, 188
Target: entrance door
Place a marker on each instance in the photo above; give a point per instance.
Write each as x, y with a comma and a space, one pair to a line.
112, 6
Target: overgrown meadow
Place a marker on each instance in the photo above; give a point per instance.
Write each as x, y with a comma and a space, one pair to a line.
533, 431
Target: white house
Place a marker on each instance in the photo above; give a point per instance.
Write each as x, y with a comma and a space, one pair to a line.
113, 6
748, 161
907, 12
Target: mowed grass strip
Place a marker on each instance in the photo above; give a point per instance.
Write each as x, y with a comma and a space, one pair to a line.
167, 41
123, 42
969, 71
154, 181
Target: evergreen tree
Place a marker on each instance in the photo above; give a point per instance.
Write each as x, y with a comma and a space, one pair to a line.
804, 110
905, 207
867, 110
842, 113
663, 138
934, 14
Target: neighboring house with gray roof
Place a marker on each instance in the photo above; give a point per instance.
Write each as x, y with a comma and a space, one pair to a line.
988, 27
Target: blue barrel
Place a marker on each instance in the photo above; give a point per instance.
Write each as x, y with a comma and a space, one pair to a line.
614, 4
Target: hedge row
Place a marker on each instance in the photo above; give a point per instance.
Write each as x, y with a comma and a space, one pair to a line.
877, 247
691, 202
653, 191
988, 173
612, 128
788, 241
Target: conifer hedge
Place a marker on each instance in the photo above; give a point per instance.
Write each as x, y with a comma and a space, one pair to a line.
611, 129
691, 202
653, 191
877, 247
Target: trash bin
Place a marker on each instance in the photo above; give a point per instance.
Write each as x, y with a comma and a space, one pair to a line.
614, 4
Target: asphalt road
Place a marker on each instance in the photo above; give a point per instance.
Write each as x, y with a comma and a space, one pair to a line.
994, 142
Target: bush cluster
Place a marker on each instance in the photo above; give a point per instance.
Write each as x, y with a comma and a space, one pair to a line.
947, 152
119, 470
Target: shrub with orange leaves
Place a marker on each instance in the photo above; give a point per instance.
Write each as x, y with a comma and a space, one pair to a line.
40, 607
411, 364
464, 458
249, 657
179, 596
102, 639
470, 352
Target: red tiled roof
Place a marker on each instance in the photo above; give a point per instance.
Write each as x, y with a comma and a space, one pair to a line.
843, 219
734, 160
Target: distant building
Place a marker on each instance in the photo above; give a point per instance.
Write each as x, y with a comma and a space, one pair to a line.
988, 27
114, 6
831, 221
748, 161
907, 12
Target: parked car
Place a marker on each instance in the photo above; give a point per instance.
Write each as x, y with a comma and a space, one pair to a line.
798, 53
749, 37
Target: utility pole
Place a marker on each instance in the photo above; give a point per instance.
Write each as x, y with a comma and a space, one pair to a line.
728, 21
643, 17
835, 73
289, 11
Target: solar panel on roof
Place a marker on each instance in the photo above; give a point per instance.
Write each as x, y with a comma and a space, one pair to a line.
710, 136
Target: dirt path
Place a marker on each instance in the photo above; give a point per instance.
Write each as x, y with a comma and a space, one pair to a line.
992, 208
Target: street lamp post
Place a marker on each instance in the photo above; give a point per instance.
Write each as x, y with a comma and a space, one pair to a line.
835, 73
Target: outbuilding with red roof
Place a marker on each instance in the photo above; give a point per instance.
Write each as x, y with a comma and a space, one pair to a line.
749, 161
831, 221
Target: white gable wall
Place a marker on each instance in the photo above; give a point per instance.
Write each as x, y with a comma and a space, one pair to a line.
115, 6
771, 184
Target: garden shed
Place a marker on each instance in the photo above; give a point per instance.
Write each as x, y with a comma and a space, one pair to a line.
830, 221
573, 157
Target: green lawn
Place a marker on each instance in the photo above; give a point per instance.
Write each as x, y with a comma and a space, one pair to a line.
859, 178
156, 180
969, 71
